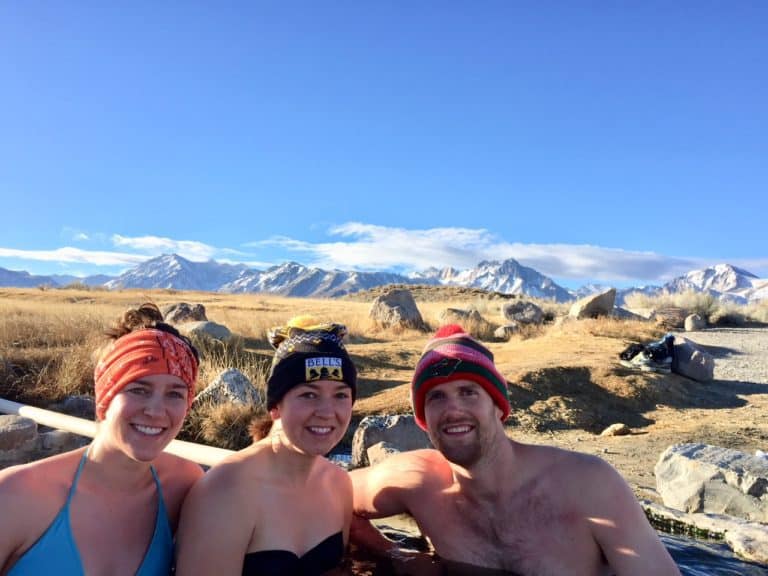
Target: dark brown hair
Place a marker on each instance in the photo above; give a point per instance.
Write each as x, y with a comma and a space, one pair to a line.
260, 427
147, 315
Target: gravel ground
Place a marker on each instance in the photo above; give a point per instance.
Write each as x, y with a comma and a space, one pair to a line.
740, 421
741, 354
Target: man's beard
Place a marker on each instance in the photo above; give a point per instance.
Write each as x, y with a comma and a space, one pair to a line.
464, 454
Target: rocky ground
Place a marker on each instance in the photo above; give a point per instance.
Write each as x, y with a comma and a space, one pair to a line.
731, 411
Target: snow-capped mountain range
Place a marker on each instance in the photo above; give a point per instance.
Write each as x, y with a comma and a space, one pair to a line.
292, 279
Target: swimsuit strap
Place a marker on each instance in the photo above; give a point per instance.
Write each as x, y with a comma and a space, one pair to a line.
161, 510
73, 487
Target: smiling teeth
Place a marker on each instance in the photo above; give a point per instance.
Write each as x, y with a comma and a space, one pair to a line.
320, 430
457, 429
150, 430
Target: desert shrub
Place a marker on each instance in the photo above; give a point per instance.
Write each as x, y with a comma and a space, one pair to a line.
216, 357
757, 311
729, 314
609, 327
704, 304
223, 425
528, 331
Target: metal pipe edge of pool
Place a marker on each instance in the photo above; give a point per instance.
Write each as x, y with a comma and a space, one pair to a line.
200, 453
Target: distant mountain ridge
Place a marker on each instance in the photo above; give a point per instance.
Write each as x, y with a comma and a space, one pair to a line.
293, 279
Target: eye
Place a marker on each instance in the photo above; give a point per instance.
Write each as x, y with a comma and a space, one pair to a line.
309, 395
137, 390
343, 394
178, 394
468, 391
434, 395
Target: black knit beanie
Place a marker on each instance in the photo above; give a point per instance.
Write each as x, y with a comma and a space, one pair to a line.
307, 351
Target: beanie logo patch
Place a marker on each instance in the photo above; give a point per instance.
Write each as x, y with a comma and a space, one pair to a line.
444, 367
323, 369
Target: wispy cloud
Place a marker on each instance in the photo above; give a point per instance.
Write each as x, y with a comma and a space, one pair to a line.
156, 245
366, 246
74, 234
360, 246
75, 255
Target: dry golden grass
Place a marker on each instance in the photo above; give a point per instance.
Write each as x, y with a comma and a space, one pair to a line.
557, 373
714, 311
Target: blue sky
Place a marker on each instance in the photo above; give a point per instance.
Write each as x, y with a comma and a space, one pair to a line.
618, 142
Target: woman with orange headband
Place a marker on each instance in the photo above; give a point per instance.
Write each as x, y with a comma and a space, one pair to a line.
110, 508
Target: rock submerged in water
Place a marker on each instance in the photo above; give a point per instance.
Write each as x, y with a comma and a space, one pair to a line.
711, 479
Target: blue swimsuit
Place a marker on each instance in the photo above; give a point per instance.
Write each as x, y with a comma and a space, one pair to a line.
55, 551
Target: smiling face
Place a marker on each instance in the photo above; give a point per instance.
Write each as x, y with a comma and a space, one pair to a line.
462, 421
315, 415
145, 416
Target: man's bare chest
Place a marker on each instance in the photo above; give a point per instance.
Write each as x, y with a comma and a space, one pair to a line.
535, 535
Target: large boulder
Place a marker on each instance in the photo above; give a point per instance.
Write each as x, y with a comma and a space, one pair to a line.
230, 386
396, 309
522, 312
600, 304
183, 312
398, 433
380, 452
747, 539
78, 405
623, 314
506, 331
694, 322
711, 479
670, 317
470, 320
692, 362
205, 330
17, 433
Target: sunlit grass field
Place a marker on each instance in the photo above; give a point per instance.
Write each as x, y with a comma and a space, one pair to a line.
47, 338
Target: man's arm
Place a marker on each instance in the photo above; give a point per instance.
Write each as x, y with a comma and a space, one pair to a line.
388, 489
620, 527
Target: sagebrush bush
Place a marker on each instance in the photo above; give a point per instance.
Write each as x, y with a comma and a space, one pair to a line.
715, 312
224, 425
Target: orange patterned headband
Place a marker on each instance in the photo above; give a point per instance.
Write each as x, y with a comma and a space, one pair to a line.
139, 354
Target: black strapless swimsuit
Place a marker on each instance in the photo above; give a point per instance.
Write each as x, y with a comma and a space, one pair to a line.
320, 559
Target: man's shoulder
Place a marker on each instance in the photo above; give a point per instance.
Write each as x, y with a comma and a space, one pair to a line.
552, 456
588, 475
416, 468
427, 461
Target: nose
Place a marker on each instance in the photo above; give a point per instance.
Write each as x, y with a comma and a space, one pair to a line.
154, 405
324, 408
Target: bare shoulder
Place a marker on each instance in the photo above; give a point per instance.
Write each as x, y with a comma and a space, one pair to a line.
227, 479
407, 474
31, 495
416, 467
40, 478
333, 473
587, 475
177, 476
176, 471
552, 458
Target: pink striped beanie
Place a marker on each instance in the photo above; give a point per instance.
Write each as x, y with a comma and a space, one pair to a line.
450, 355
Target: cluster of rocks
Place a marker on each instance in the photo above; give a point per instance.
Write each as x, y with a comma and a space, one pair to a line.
192, 321
396, 308
720, 490
21, 441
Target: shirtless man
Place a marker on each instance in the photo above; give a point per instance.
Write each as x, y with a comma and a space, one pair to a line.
485, 500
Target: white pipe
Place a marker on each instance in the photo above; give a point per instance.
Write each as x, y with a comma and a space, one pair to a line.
200, 453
